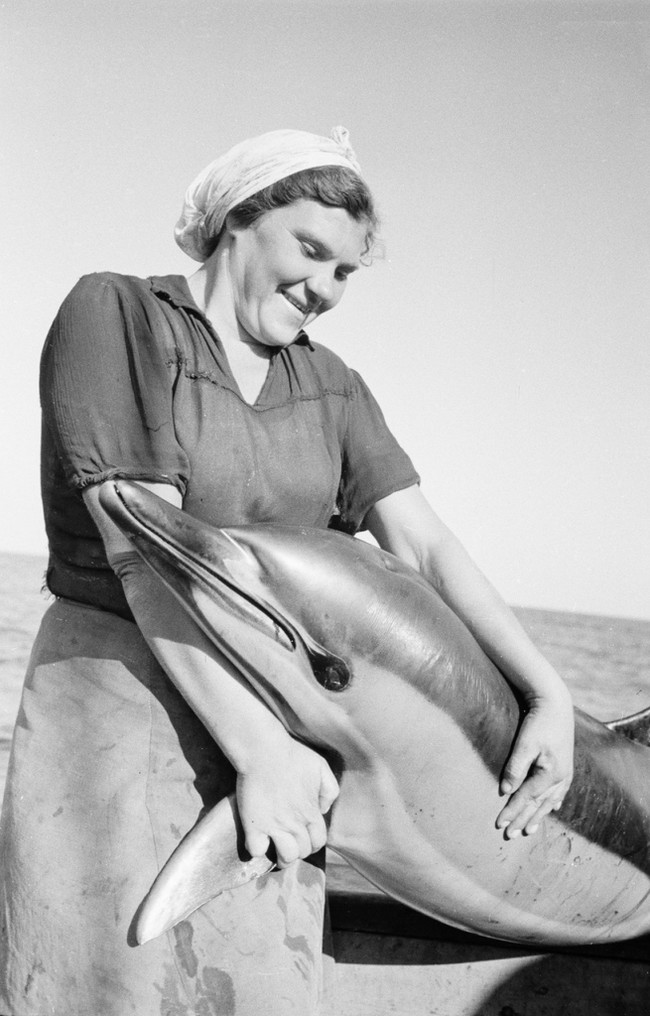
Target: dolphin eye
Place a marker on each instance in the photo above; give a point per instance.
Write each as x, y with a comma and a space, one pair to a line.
330, 672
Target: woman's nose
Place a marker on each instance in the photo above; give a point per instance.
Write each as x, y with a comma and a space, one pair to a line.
321, 287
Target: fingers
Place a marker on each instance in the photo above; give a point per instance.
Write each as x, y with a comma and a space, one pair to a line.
290, 844
527, 807
299, 843
257, 843
284, 801
526, 820
289, 847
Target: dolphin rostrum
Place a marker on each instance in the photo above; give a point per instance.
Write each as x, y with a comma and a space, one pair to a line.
360, 658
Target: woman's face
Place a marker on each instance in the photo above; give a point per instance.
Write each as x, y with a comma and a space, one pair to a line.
291, 265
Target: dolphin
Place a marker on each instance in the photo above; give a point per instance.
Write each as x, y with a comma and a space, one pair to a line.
361, 659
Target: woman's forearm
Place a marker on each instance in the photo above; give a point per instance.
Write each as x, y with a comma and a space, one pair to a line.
405, 524
241, 724
465, 589
538, 771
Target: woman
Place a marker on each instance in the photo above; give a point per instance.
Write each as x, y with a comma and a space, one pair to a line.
209, 392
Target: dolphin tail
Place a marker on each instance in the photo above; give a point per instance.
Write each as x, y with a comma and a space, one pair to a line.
207, 862
636, 727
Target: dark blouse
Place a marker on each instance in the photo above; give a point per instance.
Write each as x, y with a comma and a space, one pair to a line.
135, 383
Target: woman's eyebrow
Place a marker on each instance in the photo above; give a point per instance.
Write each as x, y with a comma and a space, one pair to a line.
326, 252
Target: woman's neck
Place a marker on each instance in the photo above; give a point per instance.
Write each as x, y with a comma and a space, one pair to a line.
212, 292
248, 359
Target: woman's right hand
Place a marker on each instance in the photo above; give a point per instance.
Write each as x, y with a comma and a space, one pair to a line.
282, 797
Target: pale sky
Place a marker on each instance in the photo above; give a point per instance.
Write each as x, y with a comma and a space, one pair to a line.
505, 333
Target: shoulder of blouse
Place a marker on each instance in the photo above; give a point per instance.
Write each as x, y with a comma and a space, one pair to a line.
102, 305
101, 295
111, 297
96, 286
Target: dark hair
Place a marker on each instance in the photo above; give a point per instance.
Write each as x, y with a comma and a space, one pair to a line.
334, 186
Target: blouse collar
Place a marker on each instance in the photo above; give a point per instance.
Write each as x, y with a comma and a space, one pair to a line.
176, 290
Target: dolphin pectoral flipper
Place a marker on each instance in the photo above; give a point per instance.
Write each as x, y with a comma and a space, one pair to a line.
207, 862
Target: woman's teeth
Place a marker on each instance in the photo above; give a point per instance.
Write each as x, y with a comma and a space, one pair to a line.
298, 306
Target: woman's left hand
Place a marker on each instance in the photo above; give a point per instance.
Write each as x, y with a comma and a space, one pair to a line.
539, 770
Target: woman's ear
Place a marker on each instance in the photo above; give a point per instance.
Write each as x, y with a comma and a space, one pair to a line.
227, 234
230, 227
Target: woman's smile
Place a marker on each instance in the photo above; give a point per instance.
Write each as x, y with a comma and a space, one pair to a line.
301, 308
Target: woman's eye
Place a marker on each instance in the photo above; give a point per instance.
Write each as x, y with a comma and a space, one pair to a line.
308, 250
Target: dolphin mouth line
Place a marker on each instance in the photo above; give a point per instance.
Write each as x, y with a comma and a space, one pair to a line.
201, 572
331, 671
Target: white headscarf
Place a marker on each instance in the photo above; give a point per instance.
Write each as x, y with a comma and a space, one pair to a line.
247, 168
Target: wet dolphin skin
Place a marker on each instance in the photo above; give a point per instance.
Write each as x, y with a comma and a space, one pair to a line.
360, 658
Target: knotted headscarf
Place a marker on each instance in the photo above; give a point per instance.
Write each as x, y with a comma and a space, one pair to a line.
247, 168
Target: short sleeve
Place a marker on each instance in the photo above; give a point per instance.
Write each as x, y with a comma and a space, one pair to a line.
374, 465
107, 387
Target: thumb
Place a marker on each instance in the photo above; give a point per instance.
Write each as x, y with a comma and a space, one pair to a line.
329, 789
516, 769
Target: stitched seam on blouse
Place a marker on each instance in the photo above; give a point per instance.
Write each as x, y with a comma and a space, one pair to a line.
180, 362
